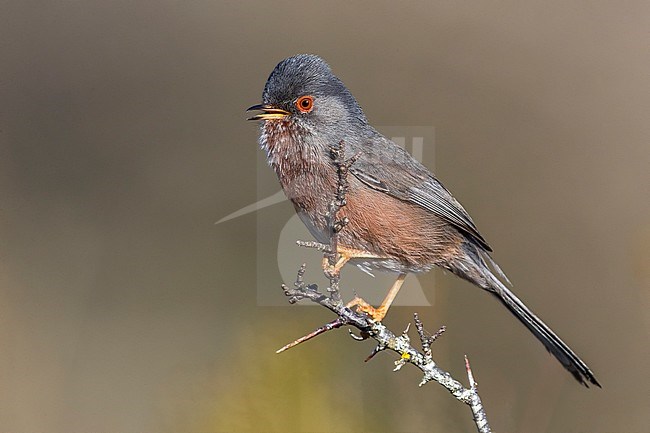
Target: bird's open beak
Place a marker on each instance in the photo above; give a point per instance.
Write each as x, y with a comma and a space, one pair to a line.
269, 112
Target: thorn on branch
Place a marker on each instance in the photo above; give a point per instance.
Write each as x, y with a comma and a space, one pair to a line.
405, 332
337, 323
470, 376
378, 348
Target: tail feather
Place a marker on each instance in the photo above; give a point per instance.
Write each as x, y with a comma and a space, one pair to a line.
549, 339
478, 272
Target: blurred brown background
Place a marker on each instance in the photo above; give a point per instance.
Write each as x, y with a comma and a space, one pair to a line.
124, 308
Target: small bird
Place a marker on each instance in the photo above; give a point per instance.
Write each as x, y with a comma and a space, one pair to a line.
401, 219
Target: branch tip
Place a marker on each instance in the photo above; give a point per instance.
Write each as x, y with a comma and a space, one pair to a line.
337, 323
470, 376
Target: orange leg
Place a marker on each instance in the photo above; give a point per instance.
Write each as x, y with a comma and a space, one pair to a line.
379, 313
345, 255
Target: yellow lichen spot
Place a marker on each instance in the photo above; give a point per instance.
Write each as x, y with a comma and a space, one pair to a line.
406, 356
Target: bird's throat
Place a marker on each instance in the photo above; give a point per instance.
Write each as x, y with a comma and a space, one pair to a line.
300, 165
288, 151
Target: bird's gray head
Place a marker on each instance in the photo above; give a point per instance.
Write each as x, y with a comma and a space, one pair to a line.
302, 89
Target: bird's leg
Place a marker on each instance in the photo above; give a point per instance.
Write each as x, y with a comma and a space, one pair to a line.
344, 255
379, 313
336, 268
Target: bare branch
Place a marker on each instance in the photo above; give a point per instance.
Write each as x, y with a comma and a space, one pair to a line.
401, 344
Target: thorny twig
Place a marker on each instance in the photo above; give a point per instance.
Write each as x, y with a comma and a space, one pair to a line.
368, 328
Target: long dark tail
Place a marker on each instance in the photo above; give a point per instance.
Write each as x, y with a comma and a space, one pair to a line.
477, 271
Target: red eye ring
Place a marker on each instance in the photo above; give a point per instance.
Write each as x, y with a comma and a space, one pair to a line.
305, 104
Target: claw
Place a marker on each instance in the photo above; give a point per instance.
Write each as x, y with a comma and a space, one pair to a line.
361, 305
360, 337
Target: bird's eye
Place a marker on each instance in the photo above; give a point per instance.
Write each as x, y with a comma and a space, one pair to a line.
305, 104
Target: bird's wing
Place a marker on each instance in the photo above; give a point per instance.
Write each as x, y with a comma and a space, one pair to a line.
391, 170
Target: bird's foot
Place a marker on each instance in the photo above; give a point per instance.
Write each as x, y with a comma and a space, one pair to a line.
376, 314
344, 255
335, 269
